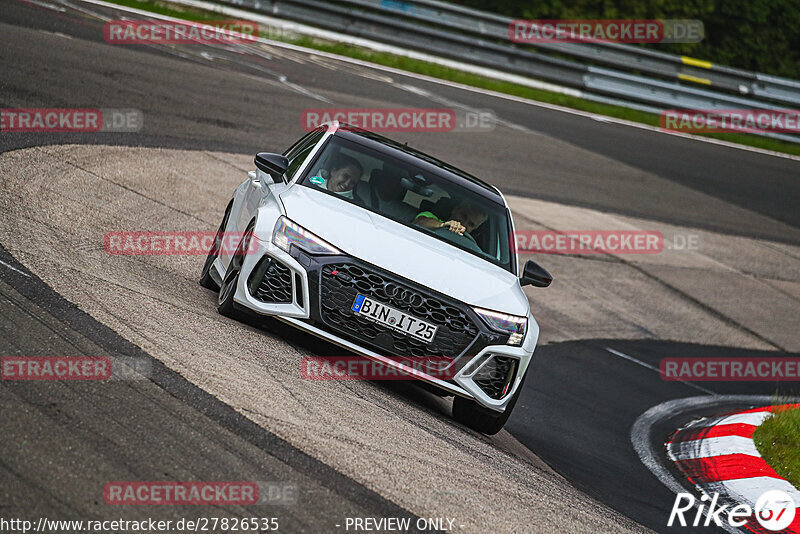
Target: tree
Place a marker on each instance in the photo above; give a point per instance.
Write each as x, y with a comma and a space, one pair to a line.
759, 35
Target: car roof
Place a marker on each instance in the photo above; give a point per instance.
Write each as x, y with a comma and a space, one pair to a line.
419, 159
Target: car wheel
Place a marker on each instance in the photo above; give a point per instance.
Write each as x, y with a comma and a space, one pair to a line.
486, 421
226, 306
205, 276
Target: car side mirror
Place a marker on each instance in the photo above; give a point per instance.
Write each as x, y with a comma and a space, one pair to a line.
273, 164
534, 274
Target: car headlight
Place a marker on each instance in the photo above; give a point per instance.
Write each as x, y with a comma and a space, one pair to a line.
512, 325
288, 233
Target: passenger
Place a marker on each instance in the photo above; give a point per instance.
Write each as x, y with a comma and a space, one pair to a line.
344, 175
465, 218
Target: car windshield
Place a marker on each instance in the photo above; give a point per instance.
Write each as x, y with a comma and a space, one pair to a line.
418, 199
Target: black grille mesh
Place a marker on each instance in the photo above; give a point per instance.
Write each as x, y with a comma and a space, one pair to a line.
495, 375
276, 283
338, 291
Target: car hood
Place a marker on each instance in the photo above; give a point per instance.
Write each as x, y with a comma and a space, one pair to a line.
405, 251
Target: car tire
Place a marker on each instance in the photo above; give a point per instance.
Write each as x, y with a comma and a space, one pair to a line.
205, 276
486, 421
225, 303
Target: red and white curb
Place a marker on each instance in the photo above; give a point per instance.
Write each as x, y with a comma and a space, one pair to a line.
718, 456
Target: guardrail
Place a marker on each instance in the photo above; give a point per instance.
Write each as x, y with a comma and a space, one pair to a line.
618, 73
668, 66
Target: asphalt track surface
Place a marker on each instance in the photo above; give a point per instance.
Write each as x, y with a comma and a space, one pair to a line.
579, 402
57, 432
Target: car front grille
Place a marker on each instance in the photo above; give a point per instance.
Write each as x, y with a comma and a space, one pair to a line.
454, 336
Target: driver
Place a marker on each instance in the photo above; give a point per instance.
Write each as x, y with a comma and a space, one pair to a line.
465, 218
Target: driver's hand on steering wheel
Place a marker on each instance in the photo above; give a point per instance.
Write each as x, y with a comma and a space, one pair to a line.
454, 226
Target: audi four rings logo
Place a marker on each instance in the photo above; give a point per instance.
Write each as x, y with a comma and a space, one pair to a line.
405, 296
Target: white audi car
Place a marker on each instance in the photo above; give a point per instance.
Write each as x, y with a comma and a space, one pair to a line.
391, 254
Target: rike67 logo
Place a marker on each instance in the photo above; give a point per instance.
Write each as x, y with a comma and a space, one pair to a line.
774, 510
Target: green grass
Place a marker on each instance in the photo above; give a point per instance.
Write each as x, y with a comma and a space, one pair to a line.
455, 75
778, 441
170, 10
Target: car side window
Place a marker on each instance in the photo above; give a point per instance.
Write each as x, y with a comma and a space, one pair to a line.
300, 143
300, 151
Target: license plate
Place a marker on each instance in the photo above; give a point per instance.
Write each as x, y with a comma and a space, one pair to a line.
380, 313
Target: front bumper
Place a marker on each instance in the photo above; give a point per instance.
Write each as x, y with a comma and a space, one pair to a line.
314, 294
